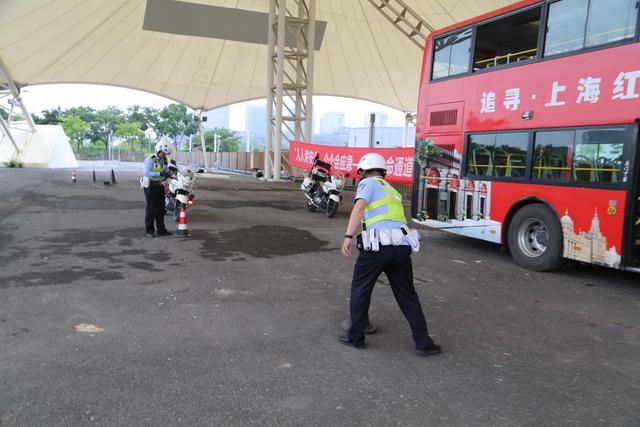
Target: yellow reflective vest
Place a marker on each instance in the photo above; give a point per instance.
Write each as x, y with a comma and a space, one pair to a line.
157, 166
393, 203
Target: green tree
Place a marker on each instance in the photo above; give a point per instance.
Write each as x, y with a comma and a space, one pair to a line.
99, 144
147, 117
229, 140
130, 134
75, 128
106, 121
135, 113
4, 114
88, 115
176, 123
49, 117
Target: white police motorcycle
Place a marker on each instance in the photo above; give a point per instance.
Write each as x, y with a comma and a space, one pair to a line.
322, 189
179, 190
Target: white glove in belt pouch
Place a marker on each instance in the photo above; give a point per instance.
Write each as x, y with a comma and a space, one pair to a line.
411, 236
372, 239
385, 237
366, 243
144, 182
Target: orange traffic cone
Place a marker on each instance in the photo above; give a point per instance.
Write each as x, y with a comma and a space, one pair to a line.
73, 176
182, 225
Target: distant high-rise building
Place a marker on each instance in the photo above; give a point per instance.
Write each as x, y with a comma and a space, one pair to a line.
218, 118
256, 122
381, 119
332, 122
384, 137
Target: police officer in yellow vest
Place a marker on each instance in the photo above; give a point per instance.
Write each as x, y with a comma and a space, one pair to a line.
155, 173
385, 246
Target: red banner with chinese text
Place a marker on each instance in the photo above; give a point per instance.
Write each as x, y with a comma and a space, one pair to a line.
345, 160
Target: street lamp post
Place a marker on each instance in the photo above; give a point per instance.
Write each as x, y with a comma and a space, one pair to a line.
200, 118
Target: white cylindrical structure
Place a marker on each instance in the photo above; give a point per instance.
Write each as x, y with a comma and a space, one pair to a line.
277, 149
203, 144
405, 137
269, 110
216, 150
311, 41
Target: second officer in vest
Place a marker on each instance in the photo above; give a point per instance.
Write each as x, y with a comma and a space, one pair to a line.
385, 246
155, 173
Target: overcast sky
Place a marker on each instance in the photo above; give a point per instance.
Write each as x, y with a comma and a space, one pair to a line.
41, 97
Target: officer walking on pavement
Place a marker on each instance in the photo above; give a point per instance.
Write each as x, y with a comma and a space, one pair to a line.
155, 173
385, 246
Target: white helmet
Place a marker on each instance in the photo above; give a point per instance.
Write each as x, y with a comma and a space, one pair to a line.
372, 161
163, 146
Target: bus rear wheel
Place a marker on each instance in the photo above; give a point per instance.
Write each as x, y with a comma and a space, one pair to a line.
535, 238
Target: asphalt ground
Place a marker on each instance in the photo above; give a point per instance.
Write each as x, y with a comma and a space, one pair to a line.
237, 325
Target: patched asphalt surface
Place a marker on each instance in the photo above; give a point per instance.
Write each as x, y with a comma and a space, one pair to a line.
237, 325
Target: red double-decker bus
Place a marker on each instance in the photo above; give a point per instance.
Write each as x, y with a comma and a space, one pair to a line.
527, 132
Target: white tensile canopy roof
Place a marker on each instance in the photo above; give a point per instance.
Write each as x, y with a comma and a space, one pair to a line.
206, 55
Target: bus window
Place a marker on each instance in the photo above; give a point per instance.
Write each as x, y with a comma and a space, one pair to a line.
510, 155
507, 40
500, 155
552, 155
610, 21
585, 155
577, 24
451, 55
598, 155
480, 154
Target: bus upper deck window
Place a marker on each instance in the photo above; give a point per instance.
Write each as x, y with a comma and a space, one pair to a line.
451, 55
578, 24
507, 40
610, 21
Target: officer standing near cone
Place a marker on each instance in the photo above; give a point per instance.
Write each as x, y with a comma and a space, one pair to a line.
385, 246
155, 173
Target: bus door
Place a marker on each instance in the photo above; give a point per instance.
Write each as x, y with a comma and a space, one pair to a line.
633, 260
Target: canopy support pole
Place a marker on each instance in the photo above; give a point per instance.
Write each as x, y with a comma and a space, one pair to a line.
16, 95
289, 77
408, 120
271, 38
7, 131
205, 158
311, 36
279, 66
405, 19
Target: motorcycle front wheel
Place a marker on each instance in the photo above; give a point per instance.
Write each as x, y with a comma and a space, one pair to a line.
332, 208
310, 206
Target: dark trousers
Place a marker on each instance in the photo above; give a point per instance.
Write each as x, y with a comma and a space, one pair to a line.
395, 262
154, 211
